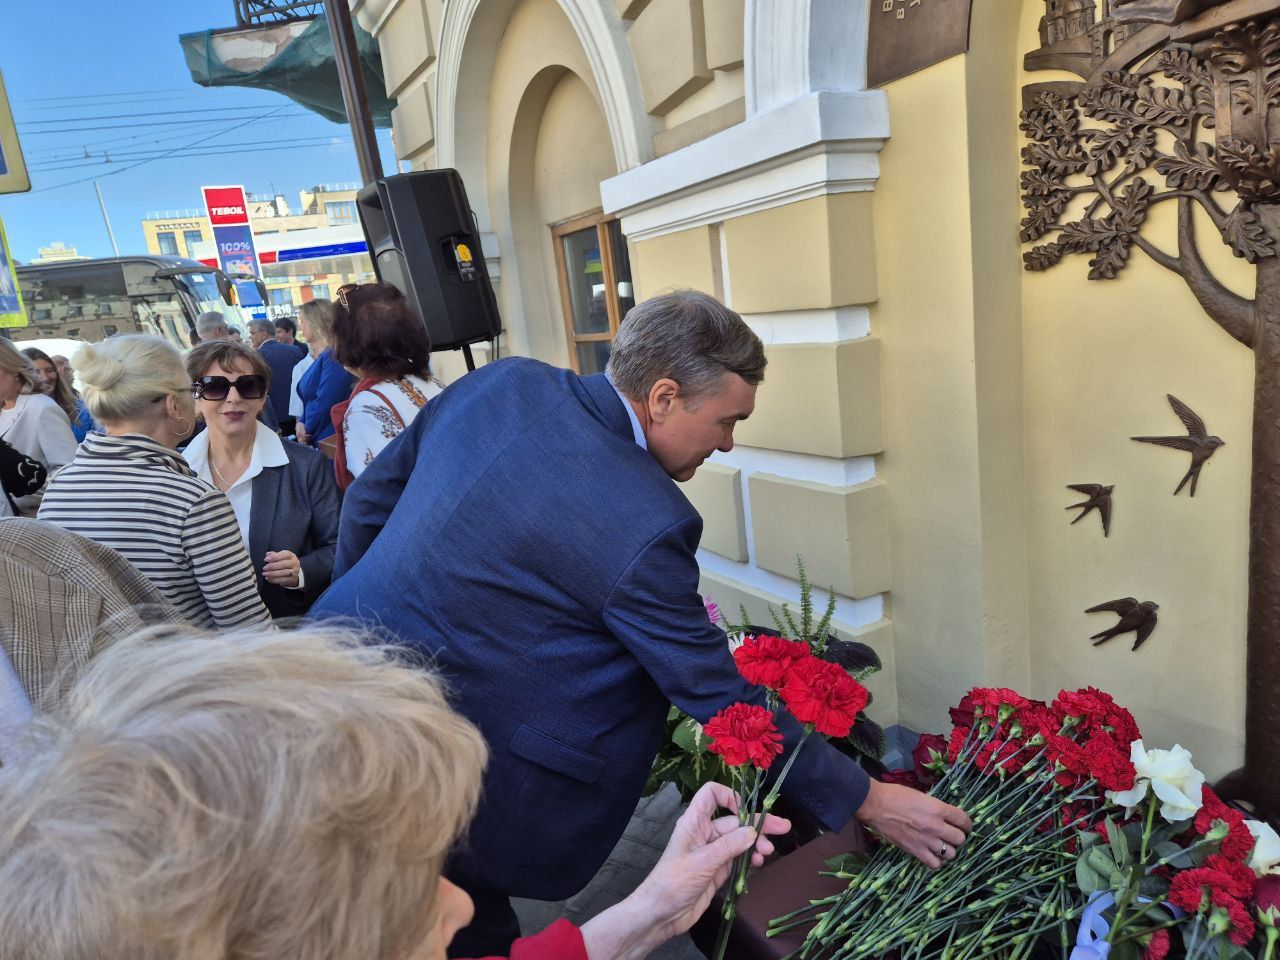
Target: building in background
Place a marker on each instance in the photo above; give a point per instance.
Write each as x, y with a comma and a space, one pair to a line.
57, 251
307, 251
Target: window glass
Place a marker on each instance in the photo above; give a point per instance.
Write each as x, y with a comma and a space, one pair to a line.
593, 355
191, 238
343, 211
167, 242
585, 270
624, 292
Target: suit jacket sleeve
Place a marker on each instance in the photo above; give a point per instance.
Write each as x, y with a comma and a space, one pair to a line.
333, 386
369, 501
326, 503
654, 609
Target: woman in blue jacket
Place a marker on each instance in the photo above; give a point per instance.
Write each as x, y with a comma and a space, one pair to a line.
326, 382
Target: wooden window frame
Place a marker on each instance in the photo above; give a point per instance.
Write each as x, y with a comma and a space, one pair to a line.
559, 231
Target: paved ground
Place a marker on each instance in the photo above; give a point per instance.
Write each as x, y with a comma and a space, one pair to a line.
630, 862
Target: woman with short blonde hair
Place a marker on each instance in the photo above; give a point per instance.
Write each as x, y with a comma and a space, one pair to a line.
31, 422
132, 491
292, 795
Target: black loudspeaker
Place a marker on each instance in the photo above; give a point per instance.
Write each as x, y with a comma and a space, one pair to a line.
422, 239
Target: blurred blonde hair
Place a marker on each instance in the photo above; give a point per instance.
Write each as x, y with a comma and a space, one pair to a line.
121, 376
319, 316
257, 795
12, 361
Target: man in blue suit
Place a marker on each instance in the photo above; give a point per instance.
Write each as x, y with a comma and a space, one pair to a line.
526, 535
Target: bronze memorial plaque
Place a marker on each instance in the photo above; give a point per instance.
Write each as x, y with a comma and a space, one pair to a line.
909, 35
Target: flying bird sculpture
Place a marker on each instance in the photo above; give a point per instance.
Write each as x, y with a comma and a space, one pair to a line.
1134, 616
1098, 498
1197, 442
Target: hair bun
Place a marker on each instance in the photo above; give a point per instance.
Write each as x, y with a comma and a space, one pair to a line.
97, 370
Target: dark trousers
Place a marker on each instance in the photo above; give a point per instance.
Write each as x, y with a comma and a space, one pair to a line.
493, 930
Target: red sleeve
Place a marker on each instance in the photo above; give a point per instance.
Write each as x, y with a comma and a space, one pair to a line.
560, 941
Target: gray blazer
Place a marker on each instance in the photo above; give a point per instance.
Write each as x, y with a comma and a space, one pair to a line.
295, 508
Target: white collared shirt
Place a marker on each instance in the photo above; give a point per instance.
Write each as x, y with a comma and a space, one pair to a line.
637, 432
268, 451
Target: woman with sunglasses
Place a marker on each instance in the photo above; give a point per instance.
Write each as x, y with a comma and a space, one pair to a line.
132, 491
283, 494
378, 337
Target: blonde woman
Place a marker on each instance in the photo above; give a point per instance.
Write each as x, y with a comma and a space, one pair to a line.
132, 491
289, 795
30, 422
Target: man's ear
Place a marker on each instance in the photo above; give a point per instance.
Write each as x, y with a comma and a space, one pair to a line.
662, 399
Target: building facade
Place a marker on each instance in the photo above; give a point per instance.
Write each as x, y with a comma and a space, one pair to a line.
325, 217
927, 400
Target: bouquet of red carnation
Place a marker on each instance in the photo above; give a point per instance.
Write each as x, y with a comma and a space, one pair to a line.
1032, 776
818, 693
1175, 871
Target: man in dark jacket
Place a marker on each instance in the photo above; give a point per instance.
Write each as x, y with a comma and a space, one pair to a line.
525, 534
280, 358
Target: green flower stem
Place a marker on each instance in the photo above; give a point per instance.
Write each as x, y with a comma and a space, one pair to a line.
1134, 874
1134, 935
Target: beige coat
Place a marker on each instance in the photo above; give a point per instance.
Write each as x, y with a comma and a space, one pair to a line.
63, 598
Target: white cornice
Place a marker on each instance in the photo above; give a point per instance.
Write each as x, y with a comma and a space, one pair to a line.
824, 142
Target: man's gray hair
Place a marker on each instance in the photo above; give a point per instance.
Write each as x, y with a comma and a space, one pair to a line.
685, 336
262, 326
211, 324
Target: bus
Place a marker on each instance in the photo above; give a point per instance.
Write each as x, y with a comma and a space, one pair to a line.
90, 300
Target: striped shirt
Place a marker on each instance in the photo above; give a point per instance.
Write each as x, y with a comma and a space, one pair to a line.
143, 500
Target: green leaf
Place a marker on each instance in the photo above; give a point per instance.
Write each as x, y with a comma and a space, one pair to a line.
688, 736
858, 659
868, 738
690, 781
1178, 856
1125, 950
1099, 858
1119, 844
1088, 879
854, 862
674, 713
1088, 839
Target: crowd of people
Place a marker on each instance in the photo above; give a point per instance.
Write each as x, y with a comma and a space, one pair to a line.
276, 769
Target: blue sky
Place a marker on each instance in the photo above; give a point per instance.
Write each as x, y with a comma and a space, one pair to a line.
76, 64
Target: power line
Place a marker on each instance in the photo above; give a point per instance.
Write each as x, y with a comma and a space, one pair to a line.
134, 166
132, 116
291, 145
132, 126
96, 96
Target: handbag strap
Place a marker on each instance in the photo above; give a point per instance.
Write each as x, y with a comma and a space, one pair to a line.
394, 412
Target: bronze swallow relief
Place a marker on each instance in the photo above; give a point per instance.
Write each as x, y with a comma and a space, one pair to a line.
1134, 616
1098, 498
1197, 442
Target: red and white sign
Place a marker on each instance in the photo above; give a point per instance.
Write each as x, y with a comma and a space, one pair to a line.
227, 206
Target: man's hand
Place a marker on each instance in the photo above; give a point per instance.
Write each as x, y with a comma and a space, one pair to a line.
925, 827
300, 432
697, 861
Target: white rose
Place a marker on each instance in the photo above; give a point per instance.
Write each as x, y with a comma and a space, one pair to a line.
1266, 848
1170, 776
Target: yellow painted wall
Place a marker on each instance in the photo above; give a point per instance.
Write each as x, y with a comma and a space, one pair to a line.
1100, 357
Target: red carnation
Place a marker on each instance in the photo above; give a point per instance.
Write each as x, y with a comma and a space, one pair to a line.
997, 703
1237, 880
1040, 721
930, 757
743, 733
1092, 709
1238, 843
766, 660
1069, 756
1157, 947
1112, 769
1219, 878
822, 694
962, 715
958, 737
1241, 927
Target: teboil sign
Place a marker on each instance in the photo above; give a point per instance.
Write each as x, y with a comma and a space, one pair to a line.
228, 210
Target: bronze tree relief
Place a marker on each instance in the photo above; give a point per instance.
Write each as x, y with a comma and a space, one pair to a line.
1180, 104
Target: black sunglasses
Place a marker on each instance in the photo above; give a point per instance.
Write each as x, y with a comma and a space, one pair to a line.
250, 387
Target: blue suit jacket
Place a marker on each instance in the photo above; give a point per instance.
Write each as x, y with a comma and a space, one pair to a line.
325, 383
517, 535
280, 358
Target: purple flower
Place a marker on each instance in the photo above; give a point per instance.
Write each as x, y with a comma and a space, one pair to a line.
713, 609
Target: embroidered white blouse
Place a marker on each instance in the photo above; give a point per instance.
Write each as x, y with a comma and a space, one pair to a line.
370, 424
